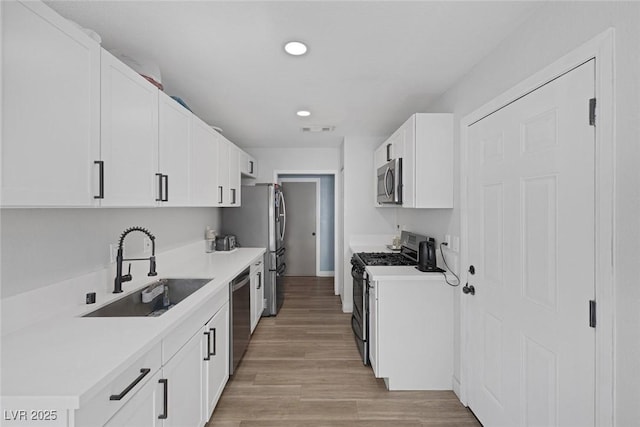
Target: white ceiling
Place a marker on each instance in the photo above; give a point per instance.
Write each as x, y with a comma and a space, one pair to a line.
369, 66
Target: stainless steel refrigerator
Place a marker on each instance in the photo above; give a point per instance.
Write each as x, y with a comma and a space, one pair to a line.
261, 221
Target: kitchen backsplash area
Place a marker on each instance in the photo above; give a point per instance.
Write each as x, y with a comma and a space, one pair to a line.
44, 246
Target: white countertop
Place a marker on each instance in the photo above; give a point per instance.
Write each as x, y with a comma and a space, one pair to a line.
60, 362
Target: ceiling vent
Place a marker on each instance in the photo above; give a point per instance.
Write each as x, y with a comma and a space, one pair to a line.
316, 129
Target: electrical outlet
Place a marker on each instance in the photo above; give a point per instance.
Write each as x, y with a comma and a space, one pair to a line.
113, 251
447, 240
455, 244
146, 242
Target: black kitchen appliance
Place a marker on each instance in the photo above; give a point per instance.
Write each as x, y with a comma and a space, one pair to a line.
427, 256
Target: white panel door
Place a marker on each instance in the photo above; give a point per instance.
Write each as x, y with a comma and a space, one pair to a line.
129, 135
531, 242
174, 156
50, 106
204, 164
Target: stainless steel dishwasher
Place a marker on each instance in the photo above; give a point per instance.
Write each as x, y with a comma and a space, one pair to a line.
240, 325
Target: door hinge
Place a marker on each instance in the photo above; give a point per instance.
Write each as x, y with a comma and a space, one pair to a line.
592, 112
592, 313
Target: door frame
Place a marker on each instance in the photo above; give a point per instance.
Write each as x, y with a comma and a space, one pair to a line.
601, 48
318, 184
337, 259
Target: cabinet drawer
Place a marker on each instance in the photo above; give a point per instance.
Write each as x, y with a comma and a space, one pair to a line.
119, 390
185, 330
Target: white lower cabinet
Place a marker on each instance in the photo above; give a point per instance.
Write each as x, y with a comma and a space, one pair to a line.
144, 408
183, 375
411, 333
257, 292
176, 383
216, 359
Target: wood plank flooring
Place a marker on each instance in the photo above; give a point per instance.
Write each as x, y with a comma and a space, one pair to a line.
302, 368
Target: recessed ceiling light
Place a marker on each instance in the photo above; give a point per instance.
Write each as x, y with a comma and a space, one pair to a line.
303, 113
295, 48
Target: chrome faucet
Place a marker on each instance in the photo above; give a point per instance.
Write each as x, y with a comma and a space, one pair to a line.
120, 278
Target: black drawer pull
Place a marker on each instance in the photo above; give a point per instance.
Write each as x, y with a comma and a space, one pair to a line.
166, 188
213, 331
143, 373
159, 198
165, 401
207, 357
100, 195
220, 194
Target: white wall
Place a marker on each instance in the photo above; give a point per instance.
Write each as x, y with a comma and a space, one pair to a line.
294, 159
44, 246
554, 30
360, 214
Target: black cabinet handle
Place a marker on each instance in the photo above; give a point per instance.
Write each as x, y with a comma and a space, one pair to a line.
207, 357
220, 193
233, 196
388, 152
165, 402
143, 373
259, 280
213, 332
100, 164
166, 188
250, 166
159, 198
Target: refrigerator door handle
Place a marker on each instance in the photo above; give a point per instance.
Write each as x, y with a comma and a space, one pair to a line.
284, 216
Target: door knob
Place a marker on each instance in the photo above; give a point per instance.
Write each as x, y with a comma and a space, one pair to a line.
313, 234
469, 289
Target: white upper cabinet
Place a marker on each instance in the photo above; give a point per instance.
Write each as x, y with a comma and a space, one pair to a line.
234, 175
50, 107
173, 153
248, 165
425, 145
224, 194
204, 164
129, 135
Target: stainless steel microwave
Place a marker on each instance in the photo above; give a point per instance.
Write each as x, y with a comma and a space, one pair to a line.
389, 183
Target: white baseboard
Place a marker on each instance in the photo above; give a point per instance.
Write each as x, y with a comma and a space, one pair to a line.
457, 387
325, 274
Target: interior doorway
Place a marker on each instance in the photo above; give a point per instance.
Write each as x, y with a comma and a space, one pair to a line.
321, 188
301, 233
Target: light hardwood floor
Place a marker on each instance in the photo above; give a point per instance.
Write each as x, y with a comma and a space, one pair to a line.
302, 368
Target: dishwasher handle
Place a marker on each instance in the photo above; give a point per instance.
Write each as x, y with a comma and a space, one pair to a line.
237, 285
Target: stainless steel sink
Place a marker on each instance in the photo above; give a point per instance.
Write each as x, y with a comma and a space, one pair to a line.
132, 305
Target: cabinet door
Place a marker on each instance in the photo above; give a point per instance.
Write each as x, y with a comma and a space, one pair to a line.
184, 374
380, 157
174, 156
257, 293
50, 107
129, 130
204, 164
224, 195
404, 146
143, 409
216, 358
373, 329
234, 175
